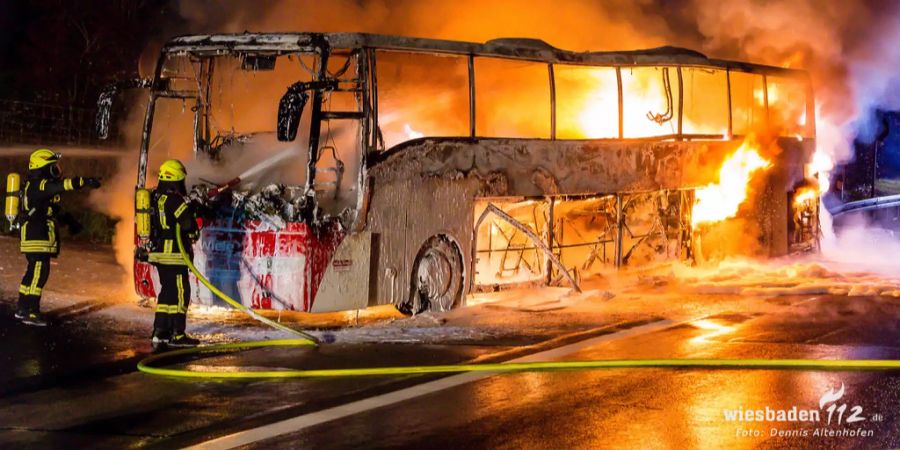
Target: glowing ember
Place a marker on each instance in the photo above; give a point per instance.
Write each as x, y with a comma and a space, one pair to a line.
720, 201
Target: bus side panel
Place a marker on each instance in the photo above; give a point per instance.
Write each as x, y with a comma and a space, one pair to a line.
345, 283
404, 213
534, 168
387, 222
788, 170
441, 206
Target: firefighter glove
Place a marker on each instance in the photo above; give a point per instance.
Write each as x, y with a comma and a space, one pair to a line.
92, 182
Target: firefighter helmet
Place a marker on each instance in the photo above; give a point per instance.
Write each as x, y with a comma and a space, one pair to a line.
42, 158
172, 170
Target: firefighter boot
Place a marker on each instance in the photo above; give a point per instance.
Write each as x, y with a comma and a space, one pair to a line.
183, 341
30, 311
34, 319
160, 338
26, 304
179, 337
21, 310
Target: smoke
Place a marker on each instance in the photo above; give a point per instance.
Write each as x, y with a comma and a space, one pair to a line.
577, 25
115, 199
865, 246
850, 50
848, 47
270, 160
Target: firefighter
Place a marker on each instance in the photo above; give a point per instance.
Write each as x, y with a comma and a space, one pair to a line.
39, 227
170, 207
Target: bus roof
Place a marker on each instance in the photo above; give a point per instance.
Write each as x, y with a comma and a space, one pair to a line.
509, 48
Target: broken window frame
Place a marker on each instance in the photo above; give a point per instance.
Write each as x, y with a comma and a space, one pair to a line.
678, 106
535, 109
205, 57
547, 236
378, 136
367, 45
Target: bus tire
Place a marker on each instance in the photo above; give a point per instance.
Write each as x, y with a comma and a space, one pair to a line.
437, 277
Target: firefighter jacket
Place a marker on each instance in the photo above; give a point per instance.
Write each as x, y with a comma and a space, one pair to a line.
40, 202
168, 209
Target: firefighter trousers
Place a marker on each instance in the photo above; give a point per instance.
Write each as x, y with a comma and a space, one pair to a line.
33, 282
173, 299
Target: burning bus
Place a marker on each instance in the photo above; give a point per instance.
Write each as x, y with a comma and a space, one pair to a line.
422, 170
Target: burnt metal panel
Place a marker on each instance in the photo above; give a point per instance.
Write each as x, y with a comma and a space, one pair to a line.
428, 186
527, 49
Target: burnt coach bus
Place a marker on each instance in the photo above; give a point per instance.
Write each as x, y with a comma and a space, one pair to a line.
423, 170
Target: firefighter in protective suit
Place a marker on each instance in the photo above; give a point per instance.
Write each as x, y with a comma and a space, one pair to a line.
40, 225
171, 210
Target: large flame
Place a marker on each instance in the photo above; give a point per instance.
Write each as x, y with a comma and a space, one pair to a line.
829, 142
720, 201
805, 196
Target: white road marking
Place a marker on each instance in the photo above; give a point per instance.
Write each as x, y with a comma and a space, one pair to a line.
298, 423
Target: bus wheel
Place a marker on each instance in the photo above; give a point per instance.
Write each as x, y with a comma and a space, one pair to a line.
437, 278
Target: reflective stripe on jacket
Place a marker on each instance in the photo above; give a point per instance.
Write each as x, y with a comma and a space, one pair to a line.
170, 209
40, 201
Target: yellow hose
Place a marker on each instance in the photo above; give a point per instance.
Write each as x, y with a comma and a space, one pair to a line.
238, 305
307, 340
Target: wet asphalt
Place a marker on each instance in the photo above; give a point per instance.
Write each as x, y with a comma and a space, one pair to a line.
56, 393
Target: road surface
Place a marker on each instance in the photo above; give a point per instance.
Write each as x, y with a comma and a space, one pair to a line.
100, 404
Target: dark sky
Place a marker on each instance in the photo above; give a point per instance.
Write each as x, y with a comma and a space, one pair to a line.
889, 151
9, 12
63, 51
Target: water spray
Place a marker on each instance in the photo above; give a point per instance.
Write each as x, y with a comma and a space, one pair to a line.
252, 172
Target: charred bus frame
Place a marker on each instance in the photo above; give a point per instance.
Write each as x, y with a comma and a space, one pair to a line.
381, 169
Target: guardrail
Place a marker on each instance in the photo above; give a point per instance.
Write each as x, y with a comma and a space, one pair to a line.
869, 204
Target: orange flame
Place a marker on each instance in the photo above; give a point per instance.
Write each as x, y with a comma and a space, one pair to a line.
804, 196
719, 201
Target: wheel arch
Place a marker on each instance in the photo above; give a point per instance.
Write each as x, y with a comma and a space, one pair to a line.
466, 269
423, 248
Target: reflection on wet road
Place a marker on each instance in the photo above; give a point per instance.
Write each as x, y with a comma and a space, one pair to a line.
658, 408
620, 408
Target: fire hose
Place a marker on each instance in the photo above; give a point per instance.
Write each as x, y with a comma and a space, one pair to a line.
306, 340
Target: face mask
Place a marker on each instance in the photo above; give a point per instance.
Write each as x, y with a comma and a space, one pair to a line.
54, 171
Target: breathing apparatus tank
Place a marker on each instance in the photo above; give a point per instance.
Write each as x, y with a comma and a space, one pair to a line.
13, 199
142, 213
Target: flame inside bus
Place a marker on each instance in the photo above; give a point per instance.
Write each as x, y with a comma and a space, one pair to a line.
721, 200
